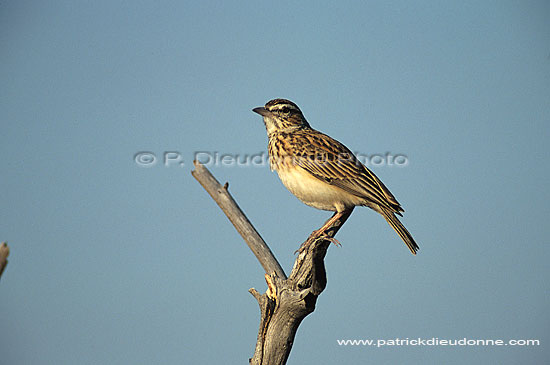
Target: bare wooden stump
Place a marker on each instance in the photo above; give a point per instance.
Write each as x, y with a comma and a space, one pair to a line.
287, 301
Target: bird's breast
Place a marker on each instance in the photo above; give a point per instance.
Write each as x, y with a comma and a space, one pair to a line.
315, 192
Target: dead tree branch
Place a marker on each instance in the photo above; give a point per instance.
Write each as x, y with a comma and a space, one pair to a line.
221, 196
4, 253
287, 301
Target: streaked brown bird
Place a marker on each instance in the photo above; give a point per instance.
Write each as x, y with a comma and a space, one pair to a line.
322, 172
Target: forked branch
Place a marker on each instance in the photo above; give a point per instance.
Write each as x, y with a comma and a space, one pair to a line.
287, 301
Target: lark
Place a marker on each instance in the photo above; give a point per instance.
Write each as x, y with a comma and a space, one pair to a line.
322, 172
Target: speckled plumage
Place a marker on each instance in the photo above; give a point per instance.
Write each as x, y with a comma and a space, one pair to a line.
322, 172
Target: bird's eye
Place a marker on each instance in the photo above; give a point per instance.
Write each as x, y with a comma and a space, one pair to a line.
285, 110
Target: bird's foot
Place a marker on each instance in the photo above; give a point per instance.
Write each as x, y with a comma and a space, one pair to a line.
313, 237
332, 239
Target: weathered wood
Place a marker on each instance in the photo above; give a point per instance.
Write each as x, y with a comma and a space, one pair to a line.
221, 196
287, 301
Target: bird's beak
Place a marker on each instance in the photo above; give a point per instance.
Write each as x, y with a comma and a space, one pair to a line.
262, 111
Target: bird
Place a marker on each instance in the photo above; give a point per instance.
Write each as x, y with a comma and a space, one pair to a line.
322, 172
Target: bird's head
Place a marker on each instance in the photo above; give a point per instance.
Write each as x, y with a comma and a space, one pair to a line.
281, 115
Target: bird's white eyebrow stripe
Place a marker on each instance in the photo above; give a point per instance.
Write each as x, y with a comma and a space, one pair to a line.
281, 106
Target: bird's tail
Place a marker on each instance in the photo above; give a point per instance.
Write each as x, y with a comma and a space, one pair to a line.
400, 229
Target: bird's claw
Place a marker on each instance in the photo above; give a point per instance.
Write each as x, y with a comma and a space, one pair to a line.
332, 239
312, 239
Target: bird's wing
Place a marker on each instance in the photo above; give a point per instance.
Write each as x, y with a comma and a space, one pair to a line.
331, 161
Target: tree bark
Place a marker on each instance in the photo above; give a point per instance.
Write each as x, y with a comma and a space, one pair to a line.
221, 196
287, 301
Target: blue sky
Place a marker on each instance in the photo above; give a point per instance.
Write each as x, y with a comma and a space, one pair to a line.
116, 263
